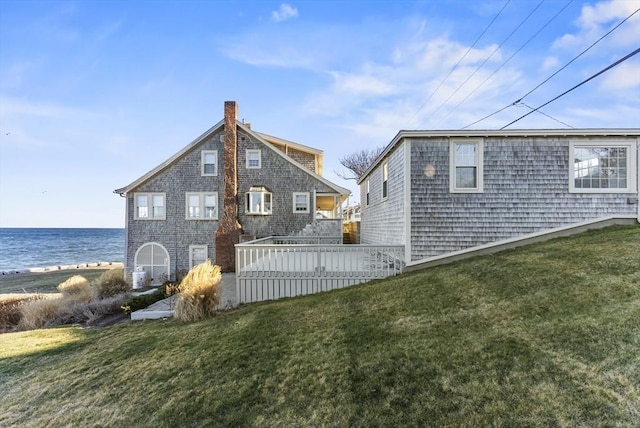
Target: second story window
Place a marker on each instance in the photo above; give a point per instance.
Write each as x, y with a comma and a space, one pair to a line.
209, 162
254, 159
149, 206
301, 202
258, 201
202, 206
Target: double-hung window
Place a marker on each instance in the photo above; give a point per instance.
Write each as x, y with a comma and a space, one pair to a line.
258, 201
202, 206
602, 167
466, 159
254, 159
209, 162
301, 202
198, 254
149, 206
385, 180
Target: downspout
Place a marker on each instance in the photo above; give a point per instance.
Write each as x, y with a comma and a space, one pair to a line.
638, 178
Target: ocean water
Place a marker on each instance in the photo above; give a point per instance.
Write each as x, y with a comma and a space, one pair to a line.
33, 248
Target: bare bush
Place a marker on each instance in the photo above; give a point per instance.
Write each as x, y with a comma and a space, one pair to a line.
37, 313
199, 293
111, 283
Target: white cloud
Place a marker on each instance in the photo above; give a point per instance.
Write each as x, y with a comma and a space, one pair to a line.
285, 12
596, 20
624, 77
550, 62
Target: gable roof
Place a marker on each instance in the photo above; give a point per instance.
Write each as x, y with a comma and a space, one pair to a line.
573, 132
169, 162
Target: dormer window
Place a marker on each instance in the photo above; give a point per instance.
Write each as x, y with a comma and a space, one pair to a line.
258, 201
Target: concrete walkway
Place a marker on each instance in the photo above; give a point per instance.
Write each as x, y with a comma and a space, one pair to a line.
164, 308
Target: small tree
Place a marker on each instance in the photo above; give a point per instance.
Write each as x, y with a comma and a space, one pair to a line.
357, 163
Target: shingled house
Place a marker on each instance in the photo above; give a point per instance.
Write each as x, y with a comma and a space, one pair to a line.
231, 183
438, 192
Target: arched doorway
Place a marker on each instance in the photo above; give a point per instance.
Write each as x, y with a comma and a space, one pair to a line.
154, 259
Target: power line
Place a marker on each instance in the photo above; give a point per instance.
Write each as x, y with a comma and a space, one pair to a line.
618, 62
460, 60
554, 74
489, 57
509, 59
543, 113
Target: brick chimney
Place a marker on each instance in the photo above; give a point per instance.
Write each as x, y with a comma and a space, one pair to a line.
228, 233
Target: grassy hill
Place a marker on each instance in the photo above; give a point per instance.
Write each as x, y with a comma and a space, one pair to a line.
547, 335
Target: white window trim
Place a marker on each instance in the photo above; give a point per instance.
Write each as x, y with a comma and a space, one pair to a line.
196, 247
149, 270
308, 199
201, 197
385, 180
632, 168
150, 195
263, 211
202, 156
259, 153
367, 197
479, 142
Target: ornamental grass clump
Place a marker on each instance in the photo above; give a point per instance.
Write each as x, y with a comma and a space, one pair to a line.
111, 283
37, 313
76, 290
199, 293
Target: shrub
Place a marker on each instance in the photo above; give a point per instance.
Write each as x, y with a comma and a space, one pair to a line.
10, 310
76, 289
110, 283
38, 312
199, 293
87, 312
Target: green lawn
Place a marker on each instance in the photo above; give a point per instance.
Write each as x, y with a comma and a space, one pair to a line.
44, 282
546, 335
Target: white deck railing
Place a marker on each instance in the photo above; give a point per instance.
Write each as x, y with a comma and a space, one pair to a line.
277, 267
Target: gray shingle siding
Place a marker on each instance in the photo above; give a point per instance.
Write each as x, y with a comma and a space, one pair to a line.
383, 220
526, 189
175, 233
280, 177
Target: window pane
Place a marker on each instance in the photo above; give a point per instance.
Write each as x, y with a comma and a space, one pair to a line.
600, 167
194, 206
142, 204
198, 255
466, 177
210, 206
144, 255
465, 154
267, 202
159, 256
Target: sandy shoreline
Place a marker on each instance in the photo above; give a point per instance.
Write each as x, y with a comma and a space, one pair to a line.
41, 270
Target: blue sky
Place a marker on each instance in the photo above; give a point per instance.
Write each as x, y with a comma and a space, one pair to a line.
93, 94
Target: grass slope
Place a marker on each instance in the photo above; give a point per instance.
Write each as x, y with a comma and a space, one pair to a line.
44, 282
547, 335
